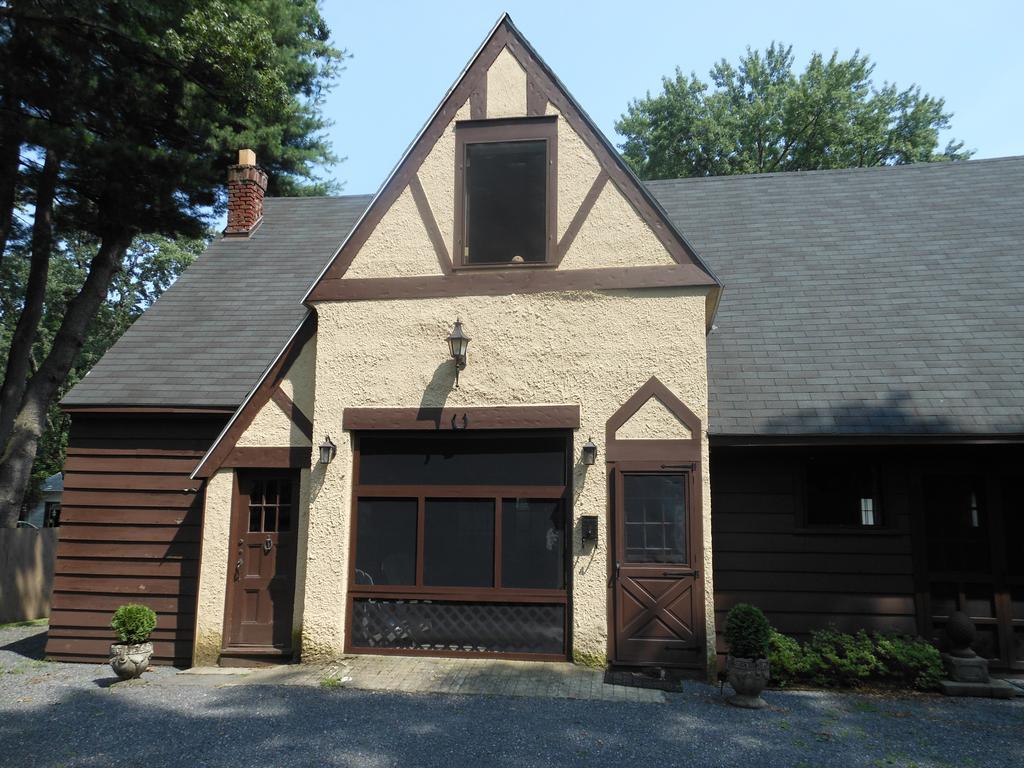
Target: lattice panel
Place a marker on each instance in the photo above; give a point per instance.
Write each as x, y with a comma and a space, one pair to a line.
450, 626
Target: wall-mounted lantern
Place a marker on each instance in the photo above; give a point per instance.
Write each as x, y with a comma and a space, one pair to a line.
327, 450
458, 345
589, 454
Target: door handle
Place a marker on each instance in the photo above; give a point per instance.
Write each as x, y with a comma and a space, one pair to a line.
238, 567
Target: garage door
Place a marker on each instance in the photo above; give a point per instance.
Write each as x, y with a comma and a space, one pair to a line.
460, 544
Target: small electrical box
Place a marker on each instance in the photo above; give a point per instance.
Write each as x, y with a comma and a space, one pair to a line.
588, 528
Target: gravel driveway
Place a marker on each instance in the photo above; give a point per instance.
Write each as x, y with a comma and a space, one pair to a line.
55, 714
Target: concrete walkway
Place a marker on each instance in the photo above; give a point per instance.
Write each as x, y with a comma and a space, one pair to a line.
404, 674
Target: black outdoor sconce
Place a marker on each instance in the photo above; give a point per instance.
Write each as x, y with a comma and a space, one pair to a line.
458, 345
327, 450
589, 454
588, 528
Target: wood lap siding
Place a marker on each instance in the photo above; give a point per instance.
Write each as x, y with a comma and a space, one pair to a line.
129, 531
805, 580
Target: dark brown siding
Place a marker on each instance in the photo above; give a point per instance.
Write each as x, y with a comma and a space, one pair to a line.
130, 531
804, 579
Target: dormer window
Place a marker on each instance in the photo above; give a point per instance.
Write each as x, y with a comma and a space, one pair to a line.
505, 192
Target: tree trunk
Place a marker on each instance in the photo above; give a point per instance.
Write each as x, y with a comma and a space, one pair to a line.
10, 155
20, 353
30, 421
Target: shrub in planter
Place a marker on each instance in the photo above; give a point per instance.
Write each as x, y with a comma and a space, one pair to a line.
748, 634
133, 624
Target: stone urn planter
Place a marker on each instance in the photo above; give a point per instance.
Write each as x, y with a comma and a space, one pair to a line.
133, 625
748, 677
747, 633
130, 661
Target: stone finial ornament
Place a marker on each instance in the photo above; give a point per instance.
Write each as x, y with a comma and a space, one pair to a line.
961, 633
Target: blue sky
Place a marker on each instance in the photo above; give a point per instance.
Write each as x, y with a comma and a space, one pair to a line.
406, 54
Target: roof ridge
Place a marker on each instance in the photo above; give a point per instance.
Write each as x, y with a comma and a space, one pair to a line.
842, 171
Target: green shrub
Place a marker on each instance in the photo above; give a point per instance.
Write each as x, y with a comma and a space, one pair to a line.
785, 659
835, 659
747, 632
133, 623
911, 660
838, 659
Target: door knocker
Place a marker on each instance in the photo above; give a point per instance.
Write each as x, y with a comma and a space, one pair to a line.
268, 545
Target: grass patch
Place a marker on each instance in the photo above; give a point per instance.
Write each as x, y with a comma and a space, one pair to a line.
32, 623
331, 681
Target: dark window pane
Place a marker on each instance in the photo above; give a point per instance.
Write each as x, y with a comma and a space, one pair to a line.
655, 518
255, 518
532, 544
269, 519
458, 626
284, 518
458, 546
506, 202
956, 522
479, 459
842, 494
386, 541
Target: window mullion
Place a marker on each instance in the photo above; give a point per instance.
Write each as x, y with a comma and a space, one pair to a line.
421, 517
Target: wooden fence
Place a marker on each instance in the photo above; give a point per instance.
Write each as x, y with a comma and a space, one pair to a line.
26, 573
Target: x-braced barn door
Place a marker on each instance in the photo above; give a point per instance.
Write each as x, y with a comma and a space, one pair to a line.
658, 603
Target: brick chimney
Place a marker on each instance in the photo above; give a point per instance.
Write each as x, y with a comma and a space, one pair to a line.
247, 183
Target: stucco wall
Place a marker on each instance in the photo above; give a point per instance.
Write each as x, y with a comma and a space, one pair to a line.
506, 87
213, 568
587, 348
270, 428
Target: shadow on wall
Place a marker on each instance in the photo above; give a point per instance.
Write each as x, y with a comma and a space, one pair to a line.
896, 414
441, 384
26, 573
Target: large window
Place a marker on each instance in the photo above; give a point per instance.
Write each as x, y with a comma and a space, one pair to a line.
465, 521
506, 192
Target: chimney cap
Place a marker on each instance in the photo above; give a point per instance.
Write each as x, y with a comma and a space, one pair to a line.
246, 157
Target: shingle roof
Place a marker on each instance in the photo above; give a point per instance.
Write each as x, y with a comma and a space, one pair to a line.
885, 300
209, 338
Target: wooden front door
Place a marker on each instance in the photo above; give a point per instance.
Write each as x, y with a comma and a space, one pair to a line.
657, 591
261, 579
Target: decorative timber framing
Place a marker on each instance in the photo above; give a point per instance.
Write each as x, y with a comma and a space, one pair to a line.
653, 450
223, 449
273, 458
460, 419
543, 88
581, 216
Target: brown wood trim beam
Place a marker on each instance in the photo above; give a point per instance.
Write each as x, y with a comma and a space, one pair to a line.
259, 398
269, 458
444, 259
507, 282
478, 99
174, 410
536, 101
653, 450
471, 418
581, 216
298, 418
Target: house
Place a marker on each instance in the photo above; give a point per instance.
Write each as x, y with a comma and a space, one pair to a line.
45, 513
293, 454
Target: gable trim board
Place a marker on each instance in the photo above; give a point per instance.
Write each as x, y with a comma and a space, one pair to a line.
258, 397
546, 88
